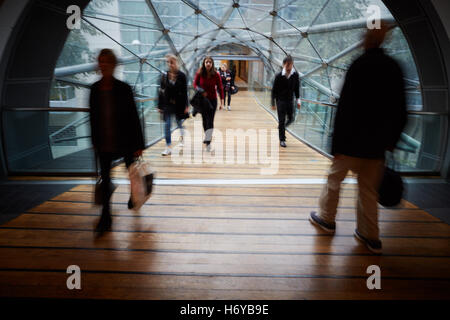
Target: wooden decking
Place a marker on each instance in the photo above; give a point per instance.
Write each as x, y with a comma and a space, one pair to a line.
211, 239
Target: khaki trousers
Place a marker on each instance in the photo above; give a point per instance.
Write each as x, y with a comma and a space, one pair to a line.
369, 173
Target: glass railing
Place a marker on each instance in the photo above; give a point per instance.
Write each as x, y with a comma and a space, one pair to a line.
57, 140
419, 149
44, 141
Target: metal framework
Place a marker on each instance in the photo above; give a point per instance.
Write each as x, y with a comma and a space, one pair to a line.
245, 30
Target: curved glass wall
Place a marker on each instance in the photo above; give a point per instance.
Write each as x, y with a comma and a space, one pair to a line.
323, 36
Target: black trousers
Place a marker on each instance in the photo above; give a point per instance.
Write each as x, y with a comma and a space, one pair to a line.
106, 159
285, 108
208, 121
227, 93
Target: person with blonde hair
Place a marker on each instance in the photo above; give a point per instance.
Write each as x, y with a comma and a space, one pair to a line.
227, 84
173, 100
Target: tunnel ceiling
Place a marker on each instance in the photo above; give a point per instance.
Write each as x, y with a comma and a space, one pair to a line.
323, 36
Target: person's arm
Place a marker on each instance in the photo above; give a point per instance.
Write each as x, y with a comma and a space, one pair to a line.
232, 80
93, 117
161, 96
220, 88
274, 92
196, 83
183, 83
297, 89
341, 120
140, 145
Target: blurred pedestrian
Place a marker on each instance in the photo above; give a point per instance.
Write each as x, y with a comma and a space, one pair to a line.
115, 128
371, 115
173, 86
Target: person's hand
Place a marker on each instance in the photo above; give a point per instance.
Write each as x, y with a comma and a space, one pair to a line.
186, 110
160, 110
274, 108
232, 88
299, 105
137, 153
221, 105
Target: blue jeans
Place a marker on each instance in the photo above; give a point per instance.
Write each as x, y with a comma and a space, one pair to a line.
168, 121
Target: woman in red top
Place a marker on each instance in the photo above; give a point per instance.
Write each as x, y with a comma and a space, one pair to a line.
208, 80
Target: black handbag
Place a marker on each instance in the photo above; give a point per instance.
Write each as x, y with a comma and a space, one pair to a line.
390, 192
235, 90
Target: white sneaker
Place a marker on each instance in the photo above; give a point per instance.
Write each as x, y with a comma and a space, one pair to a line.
229, 108
167, 152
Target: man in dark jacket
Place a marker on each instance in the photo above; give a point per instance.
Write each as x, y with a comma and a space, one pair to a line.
115, 128
285, 86
370, 117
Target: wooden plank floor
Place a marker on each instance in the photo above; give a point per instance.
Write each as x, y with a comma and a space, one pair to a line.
231, 241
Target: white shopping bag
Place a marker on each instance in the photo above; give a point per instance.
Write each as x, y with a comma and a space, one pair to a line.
141, 182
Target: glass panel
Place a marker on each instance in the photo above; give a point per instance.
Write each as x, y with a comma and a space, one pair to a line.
419, 148
300, 13
342, 10
132, 24
48, 142
329, 44
67, 95
215, 8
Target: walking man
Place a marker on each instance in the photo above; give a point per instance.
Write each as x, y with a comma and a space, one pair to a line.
285, 86
370, 117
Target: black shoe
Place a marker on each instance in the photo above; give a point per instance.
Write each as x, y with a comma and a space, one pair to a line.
283, 144
130, 204
372, 245
104, 224
326, 226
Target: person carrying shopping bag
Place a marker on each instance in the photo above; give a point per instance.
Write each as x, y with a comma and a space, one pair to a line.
115, 128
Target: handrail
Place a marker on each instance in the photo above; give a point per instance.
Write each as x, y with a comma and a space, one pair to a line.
318, 118
145, 100
70, 139
73, 123
55, 109
416, 112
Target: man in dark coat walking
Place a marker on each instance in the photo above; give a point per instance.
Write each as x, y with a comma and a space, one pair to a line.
285, 86
115, 128
370, 117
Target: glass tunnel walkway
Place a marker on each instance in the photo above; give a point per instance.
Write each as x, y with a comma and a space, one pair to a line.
222, 231
323, 37
216, 227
